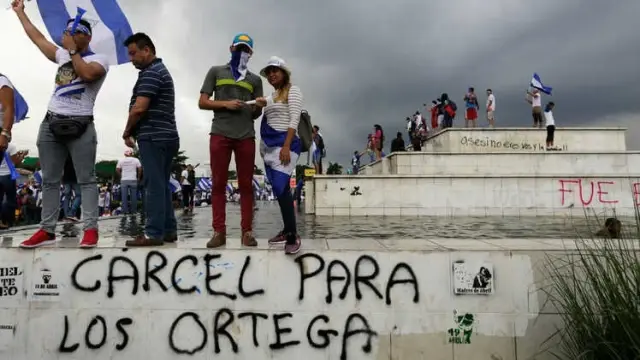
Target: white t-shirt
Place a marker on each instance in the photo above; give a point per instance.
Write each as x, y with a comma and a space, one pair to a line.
71, 95
185, 175
491, 99
129, 167
536, 101
4, 168
548, 117
4, 82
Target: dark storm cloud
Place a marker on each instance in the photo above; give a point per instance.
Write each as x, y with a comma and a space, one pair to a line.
365, 62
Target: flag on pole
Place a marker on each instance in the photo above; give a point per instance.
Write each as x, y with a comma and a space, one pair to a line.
537, 83
110, 26
20, 107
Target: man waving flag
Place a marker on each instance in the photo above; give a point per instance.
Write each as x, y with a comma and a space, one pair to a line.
110, 27
537, 84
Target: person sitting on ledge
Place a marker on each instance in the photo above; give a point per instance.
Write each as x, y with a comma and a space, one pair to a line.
612, 228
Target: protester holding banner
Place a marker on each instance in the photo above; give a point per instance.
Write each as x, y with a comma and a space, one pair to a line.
68, 127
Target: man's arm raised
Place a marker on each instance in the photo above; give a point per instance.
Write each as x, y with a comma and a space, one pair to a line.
46, 47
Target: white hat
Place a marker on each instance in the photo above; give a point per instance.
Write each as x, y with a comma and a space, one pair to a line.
276, 62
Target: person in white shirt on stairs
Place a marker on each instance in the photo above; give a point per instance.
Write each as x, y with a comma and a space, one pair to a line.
130, 170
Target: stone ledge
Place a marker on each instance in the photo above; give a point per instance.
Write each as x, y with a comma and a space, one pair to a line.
526, 176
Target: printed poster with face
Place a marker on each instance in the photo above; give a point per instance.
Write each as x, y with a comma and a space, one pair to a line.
472, 278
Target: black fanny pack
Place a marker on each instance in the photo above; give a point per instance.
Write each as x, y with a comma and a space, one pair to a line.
68, 127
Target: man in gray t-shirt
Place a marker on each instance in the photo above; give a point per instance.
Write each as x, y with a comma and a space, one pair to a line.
232, 131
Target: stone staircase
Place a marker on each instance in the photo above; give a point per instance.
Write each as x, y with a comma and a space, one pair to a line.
490, 172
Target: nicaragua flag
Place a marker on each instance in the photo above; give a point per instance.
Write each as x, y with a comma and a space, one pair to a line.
174, 185
204, 184
537, 83
229, 188
37, 176
271, 143
110, 27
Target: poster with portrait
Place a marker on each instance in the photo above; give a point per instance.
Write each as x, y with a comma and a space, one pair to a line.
472, 278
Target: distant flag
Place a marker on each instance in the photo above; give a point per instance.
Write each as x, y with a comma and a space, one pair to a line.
537, 83
204, 184
110, 27
174, 185
37, 176
12, 168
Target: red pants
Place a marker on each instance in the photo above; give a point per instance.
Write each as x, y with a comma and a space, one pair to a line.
220, 149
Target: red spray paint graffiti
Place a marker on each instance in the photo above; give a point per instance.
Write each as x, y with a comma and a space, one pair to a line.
596, 187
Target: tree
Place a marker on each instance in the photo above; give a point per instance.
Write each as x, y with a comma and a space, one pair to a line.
300, 171
334, 169
232, 175
106, 170
257, 171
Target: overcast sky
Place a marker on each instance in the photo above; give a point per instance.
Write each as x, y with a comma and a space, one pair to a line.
361, 62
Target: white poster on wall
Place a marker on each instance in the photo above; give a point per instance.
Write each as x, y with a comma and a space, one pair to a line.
45, 286
472, 278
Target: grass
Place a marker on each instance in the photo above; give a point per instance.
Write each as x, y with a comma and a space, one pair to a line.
596, 290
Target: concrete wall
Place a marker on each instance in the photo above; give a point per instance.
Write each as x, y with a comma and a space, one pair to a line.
395, 195
140, 304
508, 163
526, 139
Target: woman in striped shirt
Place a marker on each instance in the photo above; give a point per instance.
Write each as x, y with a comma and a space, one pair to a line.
280, 145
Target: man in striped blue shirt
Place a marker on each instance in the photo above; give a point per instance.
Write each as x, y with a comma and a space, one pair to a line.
152, 123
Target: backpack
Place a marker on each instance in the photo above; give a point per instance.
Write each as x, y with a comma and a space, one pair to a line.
305, 131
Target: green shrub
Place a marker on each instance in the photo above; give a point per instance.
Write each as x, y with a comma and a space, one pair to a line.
596, 289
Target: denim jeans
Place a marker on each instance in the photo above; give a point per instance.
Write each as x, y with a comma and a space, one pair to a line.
129, 188
8, 189
53, 155
287, 211
70, 209
156, 158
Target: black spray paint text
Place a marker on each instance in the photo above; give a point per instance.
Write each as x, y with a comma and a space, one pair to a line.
158, 274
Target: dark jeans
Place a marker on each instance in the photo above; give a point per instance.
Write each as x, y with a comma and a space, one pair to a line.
187, 196
156, 158
288, 213
8, 189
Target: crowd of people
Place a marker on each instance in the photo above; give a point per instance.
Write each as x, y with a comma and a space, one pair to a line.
441, 115
68, 131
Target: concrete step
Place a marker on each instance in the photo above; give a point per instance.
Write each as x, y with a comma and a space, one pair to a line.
412, 195
525, 139
507, 163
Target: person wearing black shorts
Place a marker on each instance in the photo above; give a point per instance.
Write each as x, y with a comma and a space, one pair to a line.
551, 125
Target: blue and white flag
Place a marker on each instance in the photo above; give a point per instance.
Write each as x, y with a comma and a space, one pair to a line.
20, 106
230, 188
37, 176
204, 184
110, 27
537, 83
256, 184
12, 168
272, 141
174, 185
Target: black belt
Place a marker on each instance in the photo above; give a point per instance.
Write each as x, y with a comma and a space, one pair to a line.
52, 114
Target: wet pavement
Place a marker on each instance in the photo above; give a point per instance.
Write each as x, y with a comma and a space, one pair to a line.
268, 222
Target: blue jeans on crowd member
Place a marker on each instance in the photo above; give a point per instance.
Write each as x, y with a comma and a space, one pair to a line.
156, 158
129, 188
70, 209
8, 190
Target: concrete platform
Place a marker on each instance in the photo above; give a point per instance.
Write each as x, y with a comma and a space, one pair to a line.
480, 195
525, 139
550, 163
233, 303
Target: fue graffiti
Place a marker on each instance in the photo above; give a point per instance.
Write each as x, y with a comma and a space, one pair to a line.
594, 192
